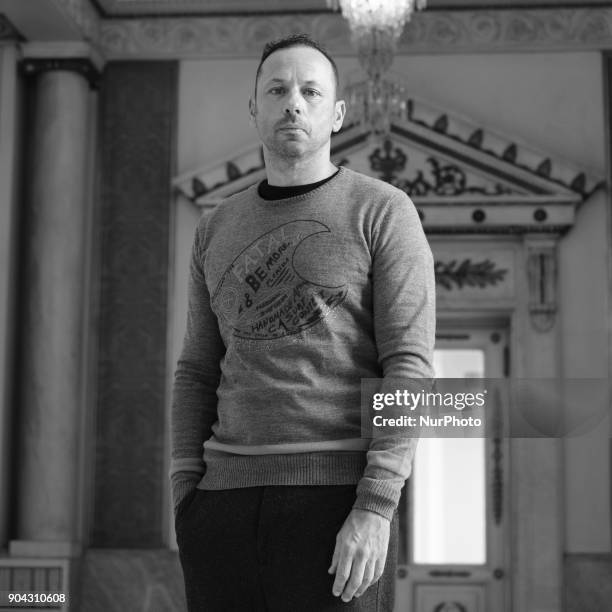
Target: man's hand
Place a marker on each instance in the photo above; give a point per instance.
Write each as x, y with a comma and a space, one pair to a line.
360, 553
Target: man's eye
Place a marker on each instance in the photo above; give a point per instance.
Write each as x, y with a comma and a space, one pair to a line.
311, 92
277, 90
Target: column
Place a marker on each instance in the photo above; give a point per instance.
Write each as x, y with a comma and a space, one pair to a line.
52, 364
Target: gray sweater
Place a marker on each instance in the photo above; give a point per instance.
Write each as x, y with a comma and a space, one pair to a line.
291, 303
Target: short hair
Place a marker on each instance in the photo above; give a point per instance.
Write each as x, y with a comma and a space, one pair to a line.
295, 40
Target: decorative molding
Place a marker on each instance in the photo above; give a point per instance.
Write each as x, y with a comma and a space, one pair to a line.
462, 164
205, 8
540, 169
468, 274
462, 178
457, 189
215, 36
443, 180
555, 29
83, 15
505, 30
490, 272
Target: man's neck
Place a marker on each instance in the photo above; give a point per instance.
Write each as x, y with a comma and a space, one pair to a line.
283, 172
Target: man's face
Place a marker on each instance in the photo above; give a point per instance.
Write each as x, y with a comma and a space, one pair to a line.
295, 109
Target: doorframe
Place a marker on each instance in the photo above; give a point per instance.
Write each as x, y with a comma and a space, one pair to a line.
458, 326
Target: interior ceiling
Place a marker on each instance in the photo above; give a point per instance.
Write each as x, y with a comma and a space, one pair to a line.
141, 8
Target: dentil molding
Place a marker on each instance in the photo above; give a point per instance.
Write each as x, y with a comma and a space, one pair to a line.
428, 32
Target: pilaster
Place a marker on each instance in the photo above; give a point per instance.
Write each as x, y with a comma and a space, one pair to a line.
537, 463
9, 162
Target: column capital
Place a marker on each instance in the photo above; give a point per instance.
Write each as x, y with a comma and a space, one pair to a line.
67, 56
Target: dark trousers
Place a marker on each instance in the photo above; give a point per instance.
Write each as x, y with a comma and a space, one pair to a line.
268, 549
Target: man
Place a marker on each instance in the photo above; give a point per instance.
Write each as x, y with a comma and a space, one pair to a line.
299, 288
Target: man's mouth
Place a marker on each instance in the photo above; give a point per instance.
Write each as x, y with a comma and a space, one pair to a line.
291, 128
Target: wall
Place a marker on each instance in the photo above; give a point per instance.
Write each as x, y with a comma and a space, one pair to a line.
553, 102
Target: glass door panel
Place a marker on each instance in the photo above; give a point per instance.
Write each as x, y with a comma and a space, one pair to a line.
449, 483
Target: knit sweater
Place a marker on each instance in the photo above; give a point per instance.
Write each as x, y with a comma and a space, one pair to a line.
291, 303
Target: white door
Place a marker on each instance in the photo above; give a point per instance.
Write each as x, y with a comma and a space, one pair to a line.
454, 554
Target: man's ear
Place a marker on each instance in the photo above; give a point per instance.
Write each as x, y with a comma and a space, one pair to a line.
340, 111
252, 110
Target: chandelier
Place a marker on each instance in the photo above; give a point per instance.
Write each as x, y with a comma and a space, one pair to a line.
376, 26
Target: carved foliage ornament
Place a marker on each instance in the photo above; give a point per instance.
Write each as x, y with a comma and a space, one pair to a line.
481, 274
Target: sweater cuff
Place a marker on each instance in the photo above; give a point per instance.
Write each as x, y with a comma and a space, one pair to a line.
378, 496
182, 484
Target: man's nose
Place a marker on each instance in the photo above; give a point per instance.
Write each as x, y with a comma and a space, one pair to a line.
292, 113
294, 104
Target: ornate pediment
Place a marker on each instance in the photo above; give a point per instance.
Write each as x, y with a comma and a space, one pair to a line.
461, 177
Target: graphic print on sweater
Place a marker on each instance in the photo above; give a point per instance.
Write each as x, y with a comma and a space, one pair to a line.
262, 296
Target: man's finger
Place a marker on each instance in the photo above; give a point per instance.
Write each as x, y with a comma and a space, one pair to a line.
356, 577
368, 578
334, 562
379, 569
343, 571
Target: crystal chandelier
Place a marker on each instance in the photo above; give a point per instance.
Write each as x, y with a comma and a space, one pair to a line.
376, 26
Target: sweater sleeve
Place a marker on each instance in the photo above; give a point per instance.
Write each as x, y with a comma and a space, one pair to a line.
196, 378
404, 326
